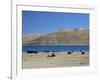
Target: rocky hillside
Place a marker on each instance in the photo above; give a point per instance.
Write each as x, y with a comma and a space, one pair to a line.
62, 37
29, 38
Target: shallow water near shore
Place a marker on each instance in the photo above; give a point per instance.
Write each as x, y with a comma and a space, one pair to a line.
59, 48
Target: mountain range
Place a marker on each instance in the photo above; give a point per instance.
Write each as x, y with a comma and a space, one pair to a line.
61, 37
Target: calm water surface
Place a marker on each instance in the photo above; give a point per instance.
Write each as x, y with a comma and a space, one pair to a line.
55, 48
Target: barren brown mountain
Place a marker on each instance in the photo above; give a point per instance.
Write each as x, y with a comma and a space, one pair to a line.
63, 37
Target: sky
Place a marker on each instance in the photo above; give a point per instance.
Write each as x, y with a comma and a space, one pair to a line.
36, 22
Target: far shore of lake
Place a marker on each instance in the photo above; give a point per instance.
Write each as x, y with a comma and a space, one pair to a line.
56, 44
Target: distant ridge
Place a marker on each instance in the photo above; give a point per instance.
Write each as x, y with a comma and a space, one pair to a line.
61, 37
28, 38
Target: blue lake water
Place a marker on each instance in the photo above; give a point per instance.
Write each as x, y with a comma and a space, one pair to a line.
55, 48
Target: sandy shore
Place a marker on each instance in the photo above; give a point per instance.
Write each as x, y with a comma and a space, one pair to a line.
62, 59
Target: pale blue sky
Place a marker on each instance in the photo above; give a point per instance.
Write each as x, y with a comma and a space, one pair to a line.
34, 22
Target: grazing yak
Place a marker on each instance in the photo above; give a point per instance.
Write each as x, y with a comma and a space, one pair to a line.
69, 53
51, 55
83, 53
32, 52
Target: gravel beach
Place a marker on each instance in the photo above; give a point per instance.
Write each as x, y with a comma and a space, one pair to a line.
61, 59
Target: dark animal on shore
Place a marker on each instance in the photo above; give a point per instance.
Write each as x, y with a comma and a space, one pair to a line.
69, 53
83, 53
51, 55
46, 51
35, 51
31, 52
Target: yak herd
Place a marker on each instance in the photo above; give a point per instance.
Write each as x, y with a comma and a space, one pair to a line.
52, 54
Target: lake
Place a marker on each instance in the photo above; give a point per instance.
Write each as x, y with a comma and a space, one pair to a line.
55, 48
